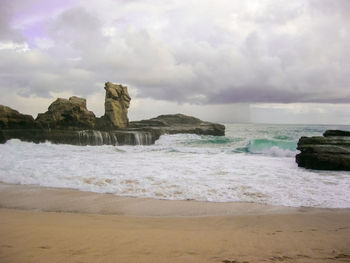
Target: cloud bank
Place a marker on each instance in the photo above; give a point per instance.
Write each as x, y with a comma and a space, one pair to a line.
196, 52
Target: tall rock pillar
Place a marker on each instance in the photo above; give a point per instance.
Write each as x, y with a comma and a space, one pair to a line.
117, 102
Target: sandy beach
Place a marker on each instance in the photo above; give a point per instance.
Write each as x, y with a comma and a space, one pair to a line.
40, 224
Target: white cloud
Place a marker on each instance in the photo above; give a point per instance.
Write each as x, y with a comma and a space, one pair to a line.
44, 43
18, 47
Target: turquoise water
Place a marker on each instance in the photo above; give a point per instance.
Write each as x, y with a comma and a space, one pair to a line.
267, 139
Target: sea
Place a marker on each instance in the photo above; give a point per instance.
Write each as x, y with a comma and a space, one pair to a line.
252, 163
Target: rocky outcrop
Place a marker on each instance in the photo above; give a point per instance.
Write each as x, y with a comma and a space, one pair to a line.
69, 122
179, 123
12, 119
144, 132
117, 102
328, 152
67, 114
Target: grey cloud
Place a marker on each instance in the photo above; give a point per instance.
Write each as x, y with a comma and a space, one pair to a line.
77, 28
295, 52
339, 7
39, 72
263, 94
7, 32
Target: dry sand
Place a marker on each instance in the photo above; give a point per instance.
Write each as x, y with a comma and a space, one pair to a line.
88, 227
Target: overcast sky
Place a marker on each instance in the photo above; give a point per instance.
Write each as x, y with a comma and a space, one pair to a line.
224, 60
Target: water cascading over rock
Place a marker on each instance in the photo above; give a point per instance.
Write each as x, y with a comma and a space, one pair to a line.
91, 137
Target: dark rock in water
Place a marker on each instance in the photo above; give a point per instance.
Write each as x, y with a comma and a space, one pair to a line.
3, 138
67, 114
179, 123
329, 133
69, 122
328, 152
117, 102
12, 119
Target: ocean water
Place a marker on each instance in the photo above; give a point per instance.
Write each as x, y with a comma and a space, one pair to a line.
252, 163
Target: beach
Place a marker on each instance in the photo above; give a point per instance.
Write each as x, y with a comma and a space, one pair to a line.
174, 131
40, 224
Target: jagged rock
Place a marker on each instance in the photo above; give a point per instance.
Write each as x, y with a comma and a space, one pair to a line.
180, 123
12, 119
328, 152
117, 102
63, 113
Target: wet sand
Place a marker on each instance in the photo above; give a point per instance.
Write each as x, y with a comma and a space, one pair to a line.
62, 225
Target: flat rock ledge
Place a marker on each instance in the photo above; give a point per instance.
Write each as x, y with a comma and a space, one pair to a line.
179, 123
328, 152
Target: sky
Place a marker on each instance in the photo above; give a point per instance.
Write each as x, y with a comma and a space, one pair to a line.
269, 61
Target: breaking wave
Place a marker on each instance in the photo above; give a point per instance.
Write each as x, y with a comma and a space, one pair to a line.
272, 147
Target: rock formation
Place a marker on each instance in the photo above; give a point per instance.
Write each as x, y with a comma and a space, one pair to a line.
63, 113
180, 123
117, 102
328, 152
12, 119
69, 122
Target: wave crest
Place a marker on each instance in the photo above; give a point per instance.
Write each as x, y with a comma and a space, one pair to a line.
272, 147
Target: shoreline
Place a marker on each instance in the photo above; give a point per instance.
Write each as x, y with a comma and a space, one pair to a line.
50, 199
39, 224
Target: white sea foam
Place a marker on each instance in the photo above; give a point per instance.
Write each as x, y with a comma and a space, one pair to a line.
278, 152
177, 167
